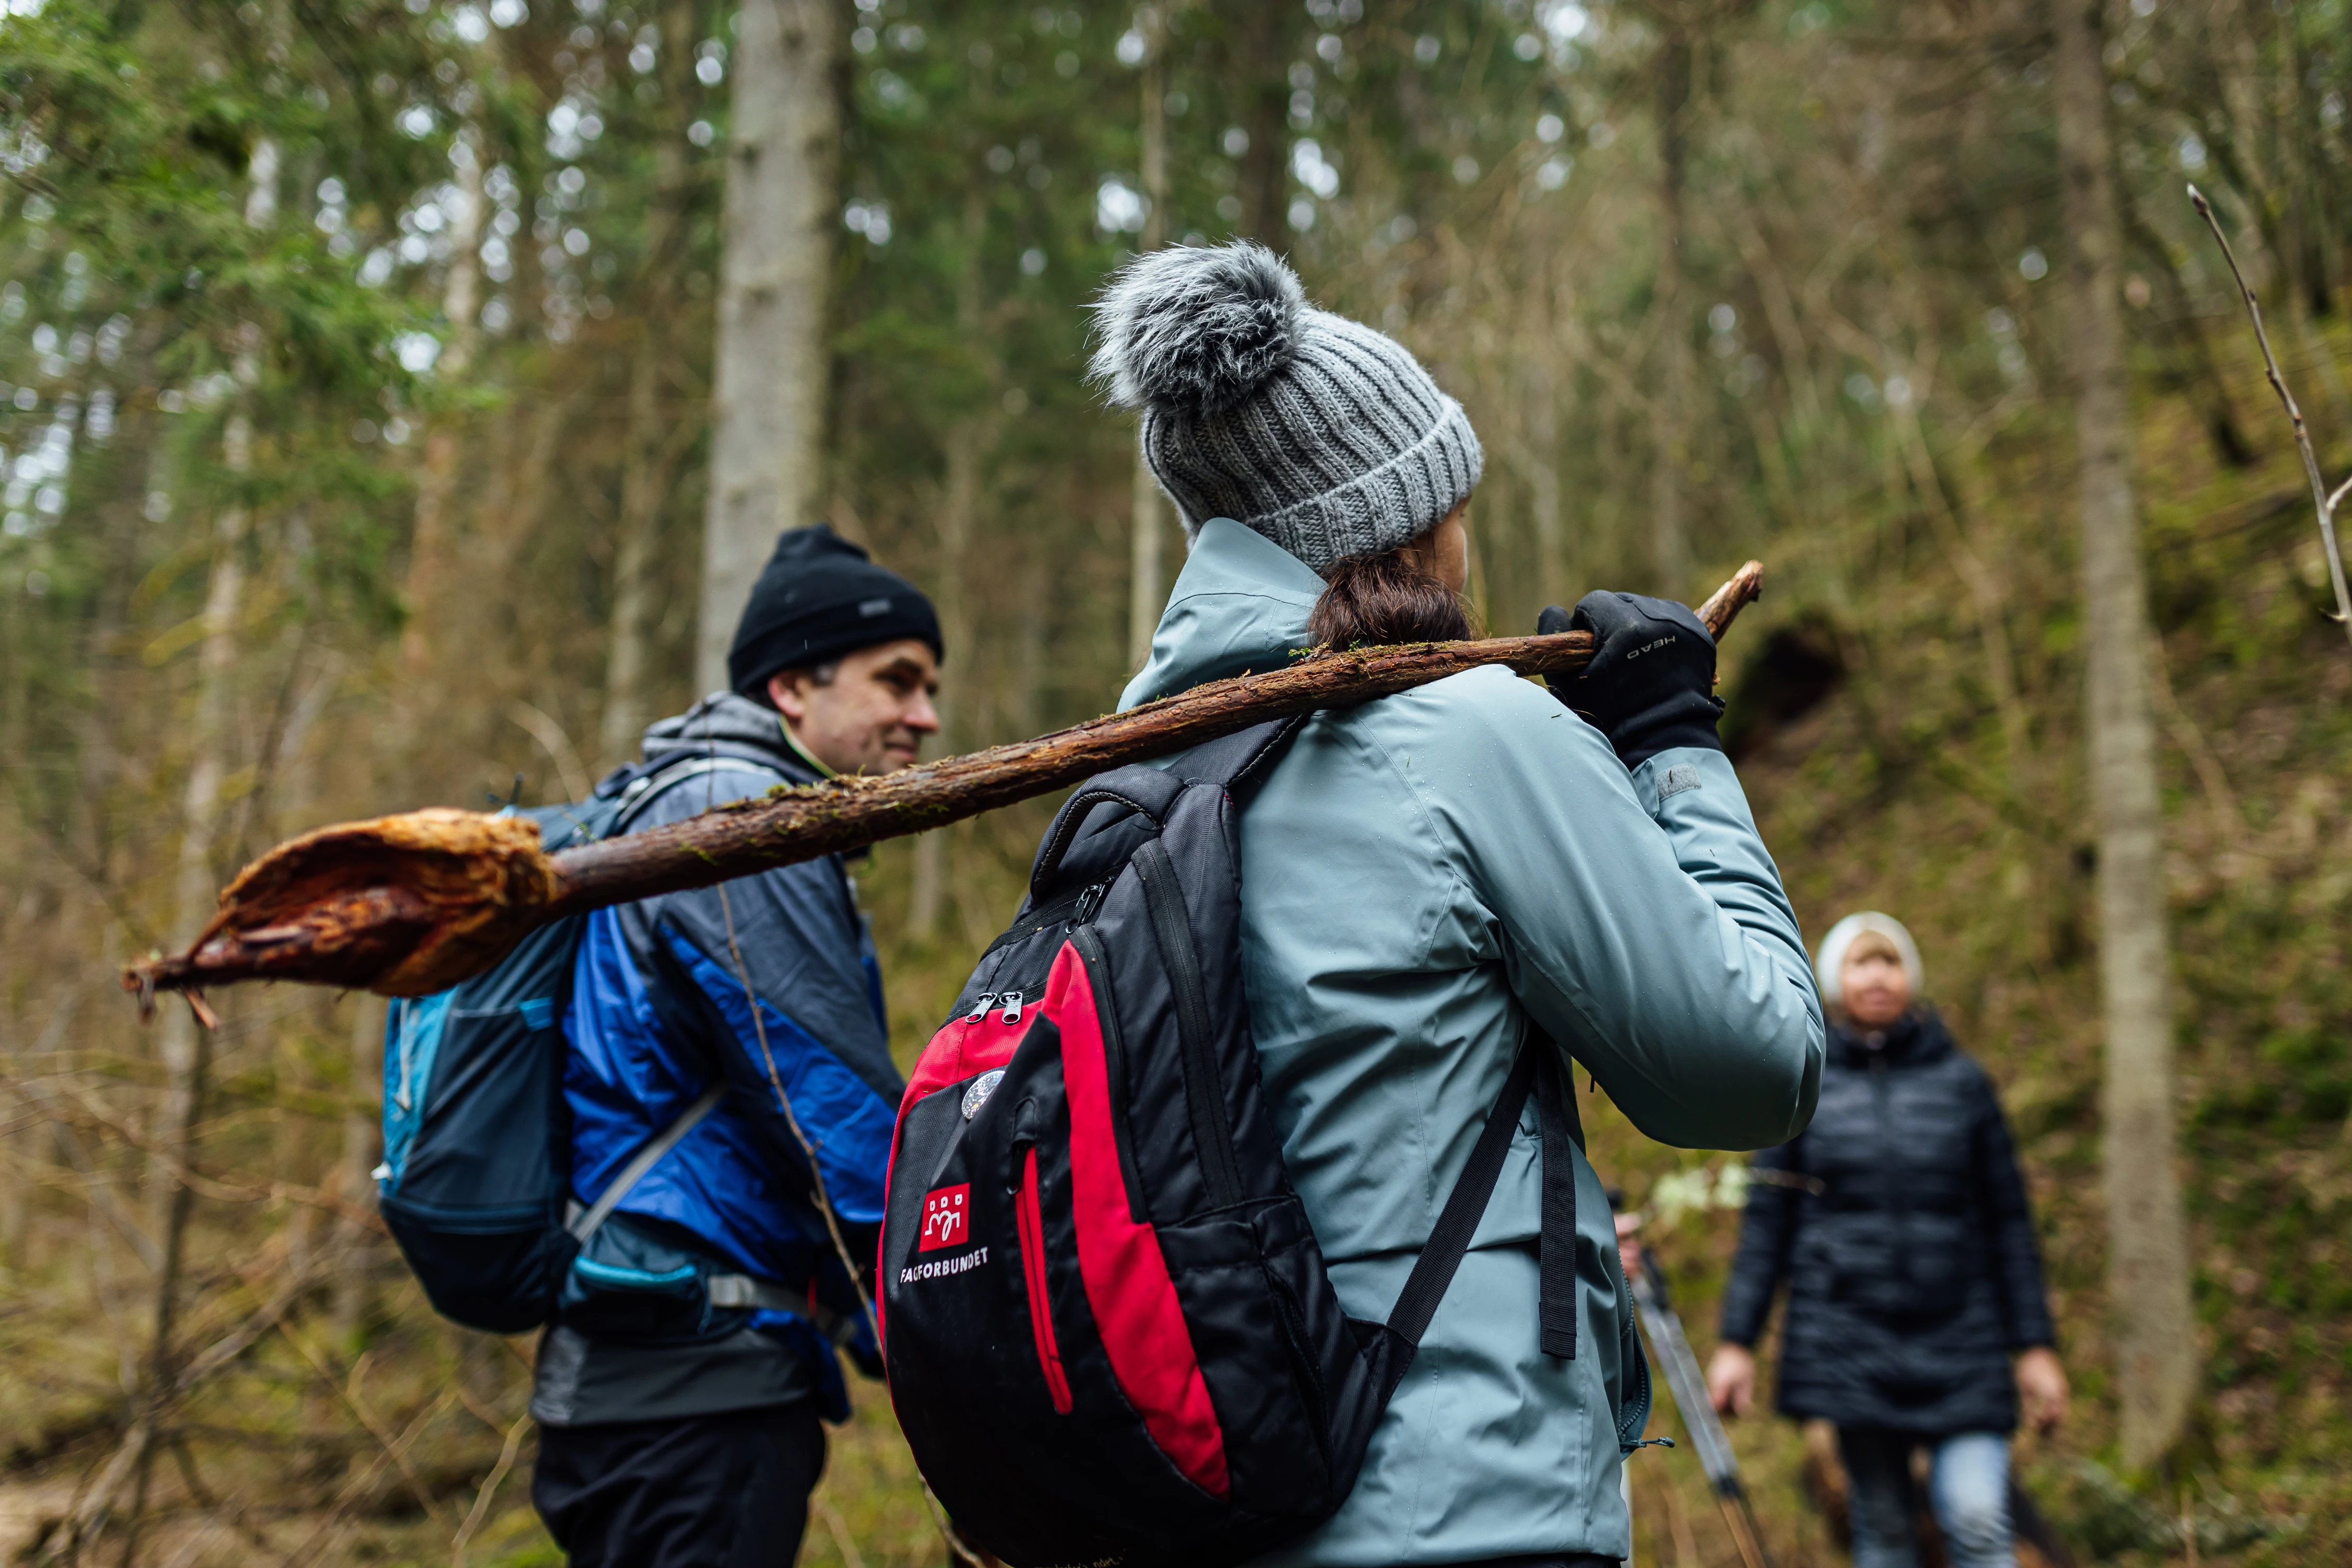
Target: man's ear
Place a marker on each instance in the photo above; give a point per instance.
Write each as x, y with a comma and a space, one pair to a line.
784, 691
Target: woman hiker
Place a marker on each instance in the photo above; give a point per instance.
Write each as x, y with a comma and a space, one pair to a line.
1429, 878
1899, 1224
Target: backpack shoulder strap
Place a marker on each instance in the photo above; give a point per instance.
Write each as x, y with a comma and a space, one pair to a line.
1235, 759
1434, 1269
642, 790
1534, 1075
584, 1225
1559, 1122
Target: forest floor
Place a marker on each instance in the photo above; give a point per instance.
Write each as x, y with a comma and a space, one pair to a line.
1869, 775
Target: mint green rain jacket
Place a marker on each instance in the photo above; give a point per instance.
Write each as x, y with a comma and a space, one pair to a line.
1420, 875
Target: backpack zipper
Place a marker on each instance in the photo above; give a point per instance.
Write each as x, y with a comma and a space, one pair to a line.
1204, 1090
1032, 1225
979, 1007
1012, 1000
1070, 908
1088, 943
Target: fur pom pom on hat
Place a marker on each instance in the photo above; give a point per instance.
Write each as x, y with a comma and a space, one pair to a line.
1319, 433
1197, 326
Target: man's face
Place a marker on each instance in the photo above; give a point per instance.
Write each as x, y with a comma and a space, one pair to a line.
872, 716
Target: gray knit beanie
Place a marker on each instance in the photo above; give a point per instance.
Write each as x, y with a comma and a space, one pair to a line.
1320, 434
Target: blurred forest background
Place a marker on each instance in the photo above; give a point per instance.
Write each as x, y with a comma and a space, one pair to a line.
358, 385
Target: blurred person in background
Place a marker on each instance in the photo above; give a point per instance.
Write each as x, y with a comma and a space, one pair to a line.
1898, 1221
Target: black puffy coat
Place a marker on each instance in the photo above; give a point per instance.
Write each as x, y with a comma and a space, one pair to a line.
1899, 1222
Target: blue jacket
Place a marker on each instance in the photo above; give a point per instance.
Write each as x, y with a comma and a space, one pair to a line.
1421, 876
660, 1013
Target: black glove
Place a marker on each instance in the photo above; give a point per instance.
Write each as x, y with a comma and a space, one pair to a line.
1651, 684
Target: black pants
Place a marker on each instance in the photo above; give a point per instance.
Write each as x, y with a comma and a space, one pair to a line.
695, 1492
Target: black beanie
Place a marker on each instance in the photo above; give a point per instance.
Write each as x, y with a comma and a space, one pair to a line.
818, 598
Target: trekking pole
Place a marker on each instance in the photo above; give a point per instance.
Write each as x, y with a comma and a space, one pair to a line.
1688, 1387
409, 905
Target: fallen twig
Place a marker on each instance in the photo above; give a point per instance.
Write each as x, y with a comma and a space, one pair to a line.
489, 1492
2323, 500
409, 905
358, 1484
838, 1528
348, 1389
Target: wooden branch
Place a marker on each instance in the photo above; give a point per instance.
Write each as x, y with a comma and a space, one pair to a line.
2321, 499
413, 904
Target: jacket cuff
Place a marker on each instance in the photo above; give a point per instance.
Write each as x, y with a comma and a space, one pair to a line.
1740, 1325
1686, 719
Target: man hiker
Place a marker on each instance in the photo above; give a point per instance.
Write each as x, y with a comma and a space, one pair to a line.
680, 1389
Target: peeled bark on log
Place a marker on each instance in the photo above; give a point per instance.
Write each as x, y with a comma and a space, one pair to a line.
409, 905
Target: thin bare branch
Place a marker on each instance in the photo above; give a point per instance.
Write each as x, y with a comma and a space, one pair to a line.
2321, 499
233, 1345
227, 1188
573, 773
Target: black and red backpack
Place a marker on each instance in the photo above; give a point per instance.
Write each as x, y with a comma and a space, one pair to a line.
1109, 1331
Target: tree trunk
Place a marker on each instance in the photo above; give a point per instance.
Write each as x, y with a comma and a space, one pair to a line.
783, 172
2147, 1273
1669, 424
185, 1048
959, 504
1539, 438
1146, 593
1261, 65
649, 457
437, 476
181, 1045
362, 1139
644, 486
1029, 644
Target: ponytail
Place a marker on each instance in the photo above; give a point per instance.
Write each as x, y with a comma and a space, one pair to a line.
1386, 599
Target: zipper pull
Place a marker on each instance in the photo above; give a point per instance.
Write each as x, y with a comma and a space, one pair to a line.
1088, 902
1012, 1000
979, 1007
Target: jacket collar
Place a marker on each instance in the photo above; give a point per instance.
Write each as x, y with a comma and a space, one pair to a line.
1916, 1038
722, 724
1240, 605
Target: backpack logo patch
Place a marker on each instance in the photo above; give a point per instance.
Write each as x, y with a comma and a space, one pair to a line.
981, 1088
947, 1217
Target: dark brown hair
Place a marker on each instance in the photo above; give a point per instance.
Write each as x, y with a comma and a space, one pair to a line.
1385, 598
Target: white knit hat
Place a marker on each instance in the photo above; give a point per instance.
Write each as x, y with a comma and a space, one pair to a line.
1831, 963
1317, 432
